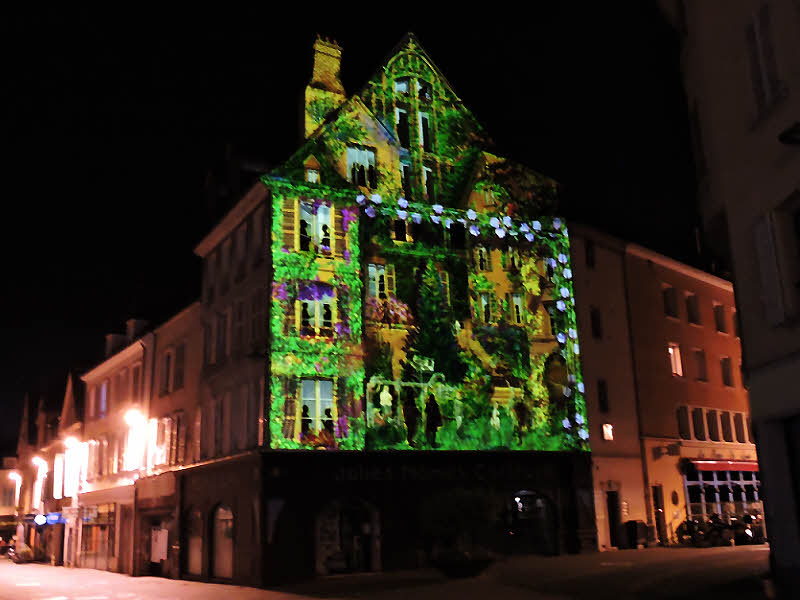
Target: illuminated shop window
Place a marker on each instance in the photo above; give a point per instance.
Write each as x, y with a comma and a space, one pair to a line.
361, 166
516, 303
674, 352
316, 414
608, 432
315, 227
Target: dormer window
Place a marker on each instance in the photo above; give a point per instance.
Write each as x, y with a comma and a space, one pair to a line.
312, 175
361, 167
424, 91
401, 86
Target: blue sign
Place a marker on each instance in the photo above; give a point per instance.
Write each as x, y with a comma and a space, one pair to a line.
55, 517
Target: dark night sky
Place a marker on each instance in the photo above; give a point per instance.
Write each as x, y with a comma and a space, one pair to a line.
111, 123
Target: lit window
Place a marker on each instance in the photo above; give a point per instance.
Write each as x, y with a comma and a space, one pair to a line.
401, 122
608, 431
427, 181
424, 91
516, 302
315, 227
512, 259
58, 476
482, 258
377, 281
675, 359
316, 313
103, 400
424, 132
486, 308
312, 175
401, 86
361, 166
317, 405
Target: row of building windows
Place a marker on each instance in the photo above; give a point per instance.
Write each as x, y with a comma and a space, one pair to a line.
239, 327
124, 386
229, 261
697, 423
700, 367
231, 421
693, 315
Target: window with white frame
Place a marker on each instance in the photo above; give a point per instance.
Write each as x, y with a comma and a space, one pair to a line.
316, 227
674, 353
312, 175
517, 308
401, 122
482, 258
102, 402
424, 131
485, 307
316, 405
401, 85
361, 167
377, 281
317, 313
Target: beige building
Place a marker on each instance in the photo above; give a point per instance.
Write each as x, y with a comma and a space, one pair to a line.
741, 66
669, 423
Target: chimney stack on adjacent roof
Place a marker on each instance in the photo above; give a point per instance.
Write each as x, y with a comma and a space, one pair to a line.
133, 327
114, 342
325, 91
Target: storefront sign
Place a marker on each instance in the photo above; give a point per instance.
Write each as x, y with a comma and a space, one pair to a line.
55, 517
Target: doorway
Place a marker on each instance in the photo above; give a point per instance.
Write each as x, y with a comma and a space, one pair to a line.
658, 508
614, 518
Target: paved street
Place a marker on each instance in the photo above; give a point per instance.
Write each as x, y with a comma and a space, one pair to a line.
724, 573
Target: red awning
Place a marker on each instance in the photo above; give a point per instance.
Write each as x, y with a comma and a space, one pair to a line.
726, 465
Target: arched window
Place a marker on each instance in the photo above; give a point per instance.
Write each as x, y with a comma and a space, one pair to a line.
222, 563
194, 542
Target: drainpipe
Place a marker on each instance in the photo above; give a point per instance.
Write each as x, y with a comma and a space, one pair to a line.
647, 500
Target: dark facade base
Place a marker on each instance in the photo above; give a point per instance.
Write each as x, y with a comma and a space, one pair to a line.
300, 514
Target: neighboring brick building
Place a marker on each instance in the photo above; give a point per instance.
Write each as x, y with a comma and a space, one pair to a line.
669, 416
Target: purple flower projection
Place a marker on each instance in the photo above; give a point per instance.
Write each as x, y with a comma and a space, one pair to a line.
524, 228
376, 198
435, 219
494, 222
447, 223
348, 216
314, 290
402, 214
279, 292
341, 426
507, 221
438, 209
417, 218
471, 215
346, 255
529, 237
360, 199
370, 212
402, 203
501, 233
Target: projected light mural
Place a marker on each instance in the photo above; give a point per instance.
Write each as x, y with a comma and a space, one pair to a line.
419, 300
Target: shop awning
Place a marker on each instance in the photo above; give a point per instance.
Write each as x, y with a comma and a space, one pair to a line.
726, 465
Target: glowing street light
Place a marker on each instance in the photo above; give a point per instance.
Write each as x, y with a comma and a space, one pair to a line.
41, 472
17, 479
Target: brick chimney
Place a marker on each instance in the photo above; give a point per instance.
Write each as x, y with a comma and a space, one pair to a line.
133, 327
114, 342
325, 91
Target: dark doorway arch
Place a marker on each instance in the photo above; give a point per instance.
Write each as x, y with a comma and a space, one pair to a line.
533, 523
347, 537
222, 527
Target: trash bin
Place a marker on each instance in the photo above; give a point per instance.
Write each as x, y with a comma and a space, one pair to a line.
635, 534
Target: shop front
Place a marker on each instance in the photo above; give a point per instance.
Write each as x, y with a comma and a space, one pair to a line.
105, 529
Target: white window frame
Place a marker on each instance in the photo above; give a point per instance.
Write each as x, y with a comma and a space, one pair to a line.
517, 307
317, 402
674, 353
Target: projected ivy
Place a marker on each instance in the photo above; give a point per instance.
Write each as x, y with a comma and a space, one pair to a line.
419, 299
